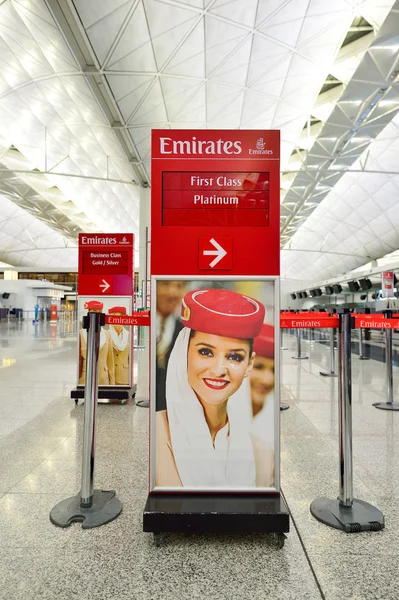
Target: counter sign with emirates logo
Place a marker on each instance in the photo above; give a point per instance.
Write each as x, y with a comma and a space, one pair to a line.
215, 202
105, 264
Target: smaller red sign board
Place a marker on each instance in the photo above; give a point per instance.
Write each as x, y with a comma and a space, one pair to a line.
137, 319
105, 264
299, 322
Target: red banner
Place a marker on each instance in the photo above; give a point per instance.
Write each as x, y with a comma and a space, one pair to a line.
137, 319
307, 322
375, 322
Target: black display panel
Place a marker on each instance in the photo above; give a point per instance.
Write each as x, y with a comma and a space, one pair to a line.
353, 286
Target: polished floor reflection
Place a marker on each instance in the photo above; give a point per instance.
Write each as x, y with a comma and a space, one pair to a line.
40, 449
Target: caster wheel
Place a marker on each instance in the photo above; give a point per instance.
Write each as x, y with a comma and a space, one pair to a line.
76, 401
133, 396
157, 539
279, 539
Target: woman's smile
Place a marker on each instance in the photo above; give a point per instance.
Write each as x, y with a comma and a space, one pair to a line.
216, 384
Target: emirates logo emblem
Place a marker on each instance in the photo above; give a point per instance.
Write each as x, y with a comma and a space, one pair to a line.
260, 144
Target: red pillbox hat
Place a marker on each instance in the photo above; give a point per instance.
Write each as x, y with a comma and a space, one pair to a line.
264, 343
223, 312
93, 305
117, 309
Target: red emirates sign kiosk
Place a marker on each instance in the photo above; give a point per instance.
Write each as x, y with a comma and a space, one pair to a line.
105, 284
214, 411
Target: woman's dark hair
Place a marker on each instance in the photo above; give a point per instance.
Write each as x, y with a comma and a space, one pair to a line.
250, 341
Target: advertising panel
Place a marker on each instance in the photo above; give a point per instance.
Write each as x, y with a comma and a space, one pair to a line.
214, 416
116, 341
215, 262
387, 284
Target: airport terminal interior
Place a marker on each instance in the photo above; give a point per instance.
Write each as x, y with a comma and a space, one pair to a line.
84, 84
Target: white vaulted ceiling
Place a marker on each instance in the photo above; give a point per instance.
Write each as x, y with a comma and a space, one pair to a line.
58, 153
83, 82
357, 221
214, 63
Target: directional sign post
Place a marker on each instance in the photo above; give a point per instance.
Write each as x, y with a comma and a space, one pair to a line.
105, 284
215, 255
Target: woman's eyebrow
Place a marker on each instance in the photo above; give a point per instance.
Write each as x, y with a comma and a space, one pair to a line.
205, 344
228, 350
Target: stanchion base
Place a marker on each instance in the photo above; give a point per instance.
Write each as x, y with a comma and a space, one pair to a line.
331, 374
105, 508
361, 516
387, 405
284, 406
300, 357
142, 402
364, 358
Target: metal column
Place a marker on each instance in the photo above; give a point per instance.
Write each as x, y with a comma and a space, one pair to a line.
298, 345
361, 355
90, 507
332, 372
389, 404
346, 513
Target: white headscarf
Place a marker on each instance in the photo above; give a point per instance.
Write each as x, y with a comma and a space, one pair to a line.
198, 464
263, 422
120, 340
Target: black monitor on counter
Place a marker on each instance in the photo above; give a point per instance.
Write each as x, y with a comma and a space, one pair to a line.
365, 284
337, 287
293, 296
6, 295
353, 286
329, 290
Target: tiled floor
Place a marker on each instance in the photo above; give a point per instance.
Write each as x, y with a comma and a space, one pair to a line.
40, 453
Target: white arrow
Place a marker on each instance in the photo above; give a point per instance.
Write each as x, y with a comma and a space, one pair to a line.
219, 253
105, 285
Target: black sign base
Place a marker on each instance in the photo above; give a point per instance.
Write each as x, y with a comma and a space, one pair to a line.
118, 394
212, 513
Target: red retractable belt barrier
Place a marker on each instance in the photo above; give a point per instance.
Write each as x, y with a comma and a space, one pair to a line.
375, 321
137, 319
307, 320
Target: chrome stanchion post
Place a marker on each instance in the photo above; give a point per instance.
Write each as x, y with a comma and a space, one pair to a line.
90, 409
345, 412
361, 355
90, 507
389, 404
332, 356
298, 345
346, 513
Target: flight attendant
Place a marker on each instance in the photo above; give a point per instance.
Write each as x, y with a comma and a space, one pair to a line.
120, 346
168, 326
262, 385
203, 438
106, 369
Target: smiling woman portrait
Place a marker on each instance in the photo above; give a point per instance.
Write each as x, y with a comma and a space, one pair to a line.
203, 438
